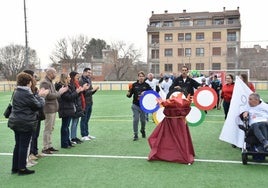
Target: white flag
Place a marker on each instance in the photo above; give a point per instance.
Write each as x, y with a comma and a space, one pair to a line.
230, 132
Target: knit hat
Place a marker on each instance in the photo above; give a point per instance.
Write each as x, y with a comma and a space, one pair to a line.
73, 74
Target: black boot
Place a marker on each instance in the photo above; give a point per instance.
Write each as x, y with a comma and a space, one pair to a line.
143, 134
25, 171
135, 138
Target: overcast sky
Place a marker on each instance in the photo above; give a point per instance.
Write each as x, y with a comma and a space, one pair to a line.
112, 20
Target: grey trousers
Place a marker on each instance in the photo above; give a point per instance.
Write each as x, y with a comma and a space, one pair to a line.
260, 130
138, 114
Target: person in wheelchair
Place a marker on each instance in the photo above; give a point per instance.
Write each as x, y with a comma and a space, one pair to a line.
257, 115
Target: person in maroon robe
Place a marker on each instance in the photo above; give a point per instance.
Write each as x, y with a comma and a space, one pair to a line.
171, 139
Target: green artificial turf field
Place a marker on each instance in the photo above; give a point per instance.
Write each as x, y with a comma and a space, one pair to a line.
114, 160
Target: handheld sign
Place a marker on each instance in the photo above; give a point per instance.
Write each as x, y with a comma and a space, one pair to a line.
148, 101
205, 98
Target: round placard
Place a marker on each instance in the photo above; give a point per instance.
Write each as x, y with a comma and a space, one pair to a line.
205, 98
148, 101
195, 116
159, 115
175, 94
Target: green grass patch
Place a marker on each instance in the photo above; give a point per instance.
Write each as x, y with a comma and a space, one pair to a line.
111, 123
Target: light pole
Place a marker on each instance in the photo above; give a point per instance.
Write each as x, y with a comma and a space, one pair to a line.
26, 58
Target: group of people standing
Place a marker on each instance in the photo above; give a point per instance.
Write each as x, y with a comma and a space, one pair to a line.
182, 83
71, 97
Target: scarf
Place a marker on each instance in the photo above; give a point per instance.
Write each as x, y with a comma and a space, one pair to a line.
76, 83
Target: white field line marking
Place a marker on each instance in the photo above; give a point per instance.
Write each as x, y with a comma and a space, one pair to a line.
138, 157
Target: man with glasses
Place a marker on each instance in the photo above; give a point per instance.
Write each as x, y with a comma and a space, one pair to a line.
184, 83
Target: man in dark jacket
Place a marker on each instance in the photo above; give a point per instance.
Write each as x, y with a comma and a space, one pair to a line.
84, 122
184, 83
136, 90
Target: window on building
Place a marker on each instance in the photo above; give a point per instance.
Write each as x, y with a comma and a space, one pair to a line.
155, 39
200, 22
155, 24
230, 65
231, 51
168, 52
97, 70
188, 65
200, 36
180, 51
233, 20
168, 37
188, 36
216, 66
180, 36
185, 23
155, 54
168, 68
200, 66
188, 52
155, 68
168, 24
216, 36
180, 65
219, 21
200, 52
231, 36
216, 51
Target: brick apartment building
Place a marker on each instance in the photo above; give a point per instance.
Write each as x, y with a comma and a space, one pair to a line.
200, 40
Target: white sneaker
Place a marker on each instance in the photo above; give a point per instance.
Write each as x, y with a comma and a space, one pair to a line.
31, 163
91, 137
86, 138
73, 142
33, 157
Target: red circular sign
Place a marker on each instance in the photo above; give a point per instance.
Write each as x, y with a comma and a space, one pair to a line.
205, 98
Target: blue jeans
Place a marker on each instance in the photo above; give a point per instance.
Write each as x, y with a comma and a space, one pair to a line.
22, 141
138, 115
65, 134
74, 122
34, 142
84, 126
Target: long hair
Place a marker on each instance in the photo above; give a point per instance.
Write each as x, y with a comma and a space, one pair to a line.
63, 79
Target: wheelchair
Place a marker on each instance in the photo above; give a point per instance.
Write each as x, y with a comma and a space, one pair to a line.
251, 146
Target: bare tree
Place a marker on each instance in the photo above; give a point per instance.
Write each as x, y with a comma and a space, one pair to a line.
123, 59
69, 51
12, 60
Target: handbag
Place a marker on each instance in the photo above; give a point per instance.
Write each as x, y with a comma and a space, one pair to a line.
8, 110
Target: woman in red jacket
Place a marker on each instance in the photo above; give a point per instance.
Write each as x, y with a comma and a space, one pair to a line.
226, 93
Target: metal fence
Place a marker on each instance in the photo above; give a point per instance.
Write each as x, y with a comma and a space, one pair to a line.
120, 85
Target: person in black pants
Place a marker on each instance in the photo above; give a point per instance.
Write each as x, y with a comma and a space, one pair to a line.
35, 134
23, 119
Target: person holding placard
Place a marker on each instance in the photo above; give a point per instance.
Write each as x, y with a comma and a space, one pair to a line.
136, 90
184, 83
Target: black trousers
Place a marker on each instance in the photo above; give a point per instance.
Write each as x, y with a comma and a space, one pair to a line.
34, 142
22, 140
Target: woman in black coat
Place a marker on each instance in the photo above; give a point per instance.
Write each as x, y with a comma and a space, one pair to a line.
23, 119
66, 108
